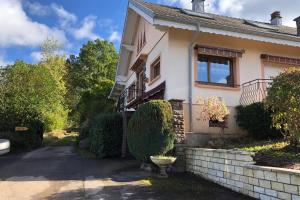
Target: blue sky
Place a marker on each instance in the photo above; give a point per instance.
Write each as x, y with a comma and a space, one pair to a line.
25, 24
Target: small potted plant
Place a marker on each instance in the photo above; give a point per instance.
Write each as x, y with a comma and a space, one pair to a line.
163, 162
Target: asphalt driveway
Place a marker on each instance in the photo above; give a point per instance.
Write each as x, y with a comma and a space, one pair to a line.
59, 173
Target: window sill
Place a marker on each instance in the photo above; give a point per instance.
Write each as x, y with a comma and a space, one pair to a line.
154, 80
213, 86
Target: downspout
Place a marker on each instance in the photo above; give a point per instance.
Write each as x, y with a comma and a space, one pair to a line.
190, 79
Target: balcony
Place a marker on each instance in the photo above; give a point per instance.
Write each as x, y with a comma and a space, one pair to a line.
255, 91
132, 97
128, 97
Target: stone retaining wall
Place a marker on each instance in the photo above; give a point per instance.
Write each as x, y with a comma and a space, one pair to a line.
236, 170
179, 165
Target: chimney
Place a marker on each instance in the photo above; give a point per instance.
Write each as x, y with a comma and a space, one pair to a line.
276, 18
297, 20
198, 6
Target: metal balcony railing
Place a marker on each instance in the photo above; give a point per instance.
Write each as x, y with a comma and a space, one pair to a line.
255, 91
128, 96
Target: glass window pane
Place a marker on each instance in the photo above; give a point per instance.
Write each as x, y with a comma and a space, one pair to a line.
220, 71
202, 70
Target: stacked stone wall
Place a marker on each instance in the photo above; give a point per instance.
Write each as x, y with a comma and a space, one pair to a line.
236, 170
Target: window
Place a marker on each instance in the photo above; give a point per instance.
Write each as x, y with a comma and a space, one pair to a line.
155, 70
140, 83
131, 92
215, 70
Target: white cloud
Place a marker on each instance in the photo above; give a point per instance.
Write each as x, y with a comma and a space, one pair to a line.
115, 37
249, 9
36, 56
86, 30
66, 18
18, 29
182, 3
36, 8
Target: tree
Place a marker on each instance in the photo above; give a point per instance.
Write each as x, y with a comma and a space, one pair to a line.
283, 99
97, 60
90, 78
26, 89
95, 101
55, 63
39, 89
57, 114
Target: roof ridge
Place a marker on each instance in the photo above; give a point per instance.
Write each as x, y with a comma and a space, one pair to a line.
209, 13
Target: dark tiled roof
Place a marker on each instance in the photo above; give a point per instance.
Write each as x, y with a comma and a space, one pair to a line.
221, 22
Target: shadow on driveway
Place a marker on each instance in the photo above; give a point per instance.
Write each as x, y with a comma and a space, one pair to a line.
59, 173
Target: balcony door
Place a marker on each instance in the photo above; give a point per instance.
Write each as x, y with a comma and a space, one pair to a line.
140, 83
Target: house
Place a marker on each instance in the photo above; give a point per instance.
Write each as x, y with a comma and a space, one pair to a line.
180, 55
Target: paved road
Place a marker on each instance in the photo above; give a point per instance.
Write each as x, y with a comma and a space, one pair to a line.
59, 173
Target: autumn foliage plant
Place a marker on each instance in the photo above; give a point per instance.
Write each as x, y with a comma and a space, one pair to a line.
213, 109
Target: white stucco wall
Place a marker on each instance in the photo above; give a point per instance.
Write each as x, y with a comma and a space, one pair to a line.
272, 70
250, 68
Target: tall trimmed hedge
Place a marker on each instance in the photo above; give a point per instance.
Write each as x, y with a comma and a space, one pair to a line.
150, 130
106, 135
257, 120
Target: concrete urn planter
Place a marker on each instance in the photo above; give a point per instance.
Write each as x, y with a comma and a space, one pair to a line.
163, 163
4, 146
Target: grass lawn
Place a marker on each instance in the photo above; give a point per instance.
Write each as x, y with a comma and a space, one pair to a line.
270, 153
60, 138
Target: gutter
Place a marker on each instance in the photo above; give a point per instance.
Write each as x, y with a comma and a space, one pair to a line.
190, 77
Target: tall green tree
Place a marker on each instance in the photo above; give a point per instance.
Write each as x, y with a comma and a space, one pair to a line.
55, 63
90, 77
36, 88
97, 60
25, 90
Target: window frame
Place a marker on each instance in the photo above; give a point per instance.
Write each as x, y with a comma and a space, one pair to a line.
232, 69
131, 92
152, 70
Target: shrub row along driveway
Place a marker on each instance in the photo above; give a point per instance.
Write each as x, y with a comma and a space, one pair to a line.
59, 173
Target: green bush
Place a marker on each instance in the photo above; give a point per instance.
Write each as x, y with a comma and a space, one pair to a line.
27, 89
106, 135
257, 121
283, 100
150, 130
95, 101
25, 140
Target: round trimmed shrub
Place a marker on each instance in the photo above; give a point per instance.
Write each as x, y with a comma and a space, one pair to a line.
150, 130
105, 135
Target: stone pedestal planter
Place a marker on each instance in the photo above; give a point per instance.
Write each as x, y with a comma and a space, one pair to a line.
163, 163
4, 146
